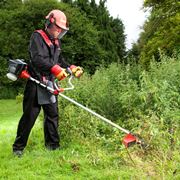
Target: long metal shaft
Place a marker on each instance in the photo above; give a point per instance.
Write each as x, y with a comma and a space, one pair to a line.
94, 113
50, 89
80, 105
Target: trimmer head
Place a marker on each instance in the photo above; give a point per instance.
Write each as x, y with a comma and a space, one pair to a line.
129, 140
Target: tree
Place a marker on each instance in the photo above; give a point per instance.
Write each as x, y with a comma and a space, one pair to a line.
110, 31
134, 53
10, 4
118, 29
67, 1
160, 31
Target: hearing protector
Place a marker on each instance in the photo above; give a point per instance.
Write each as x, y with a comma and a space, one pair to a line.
51, 20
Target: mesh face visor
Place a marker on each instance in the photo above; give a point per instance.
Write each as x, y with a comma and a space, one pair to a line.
62, 33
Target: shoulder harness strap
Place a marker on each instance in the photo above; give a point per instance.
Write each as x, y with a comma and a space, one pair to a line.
46, 38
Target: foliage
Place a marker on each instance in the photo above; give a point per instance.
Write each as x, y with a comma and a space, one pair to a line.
160, 31
80, 158
146, 102
10, 4
110, 30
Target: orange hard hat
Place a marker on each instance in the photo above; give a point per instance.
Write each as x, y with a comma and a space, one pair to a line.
58, 18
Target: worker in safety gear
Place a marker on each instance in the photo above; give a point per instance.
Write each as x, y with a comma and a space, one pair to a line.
46, 64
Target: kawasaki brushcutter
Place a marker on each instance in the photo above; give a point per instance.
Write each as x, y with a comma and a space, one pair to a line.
18, 69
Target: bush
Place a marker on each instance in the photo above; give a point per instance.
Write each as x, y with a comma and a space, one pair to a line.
146, 102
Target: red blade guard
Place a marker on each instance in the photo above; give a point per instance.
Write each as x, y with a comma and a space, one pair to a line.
24, 74
129, 140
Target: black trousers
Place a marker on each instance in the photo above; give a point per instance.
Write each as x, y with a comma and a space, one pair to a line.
31, 110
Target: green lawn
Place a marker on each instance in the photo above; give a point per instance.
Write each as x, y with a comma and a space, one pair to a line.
77, 159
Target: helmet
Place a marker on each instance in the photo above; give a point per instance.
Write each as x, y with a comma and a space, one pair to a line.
58, 18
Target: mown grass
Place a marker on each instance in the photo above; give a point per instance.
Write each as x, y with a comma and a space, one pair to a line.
77, 159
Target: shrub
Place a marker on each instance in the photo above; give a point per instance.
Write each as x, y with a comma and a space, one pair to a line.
146, 102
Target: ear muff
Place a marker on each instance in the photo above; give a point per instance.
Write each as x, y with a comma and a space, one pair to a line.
50, 20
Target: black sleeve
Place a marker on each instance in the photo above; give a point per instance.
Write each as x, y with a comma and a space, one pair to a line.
62, 62
39, 53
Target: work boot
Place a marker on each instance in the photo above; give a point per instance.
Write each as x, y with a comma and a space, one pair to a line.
18, 153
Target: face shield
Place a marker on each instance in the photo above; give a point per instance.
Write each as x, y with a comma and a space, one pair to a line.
57, 23
62, 33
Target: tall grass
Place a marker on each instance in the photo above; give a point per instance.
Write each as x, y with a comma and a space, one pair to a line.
146, 102
127, 94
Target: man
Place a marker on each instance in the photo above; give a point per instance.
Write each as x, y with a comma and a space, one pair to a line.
46, 64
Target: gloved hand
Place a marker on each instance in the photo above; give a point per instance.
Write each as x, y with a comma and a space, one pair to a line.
58, 72
76, 70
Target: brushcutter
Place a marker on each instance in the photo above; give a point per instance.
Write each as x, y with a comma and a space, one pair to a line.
18, 69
